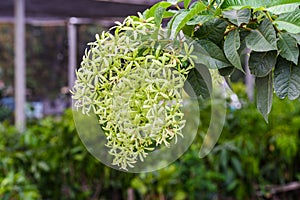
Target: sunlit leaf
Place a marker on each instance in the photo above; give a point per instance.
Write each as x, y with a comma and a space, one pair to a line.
238, 4
289, 22
186, 3
181, 19
176, 21
174, 1
280, 9
280, 5
151, 12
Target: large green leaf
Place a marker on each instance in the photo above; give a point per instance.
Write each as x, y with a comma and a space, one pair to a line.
169, 13
198, 83
238, 17
210, 55
238, 4
171, 21
176, 20
287, 79
186, 3
158, 15
289, 22
263, 38
201, 18
264, 95
212, 30
181, 19
288, 48
174, 1
261, 63
286, 8
276, 6
151, 12
296, 36
231, 46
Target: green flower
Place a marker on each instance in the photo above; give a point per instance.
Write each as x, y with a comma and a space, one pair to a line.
133, 82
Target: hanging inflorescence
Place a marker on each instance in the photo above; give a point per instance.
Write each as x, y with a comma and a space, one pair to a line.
132, 81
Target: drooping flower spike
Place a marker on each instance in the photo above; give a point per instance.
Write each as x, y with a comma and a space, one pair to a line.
132, 80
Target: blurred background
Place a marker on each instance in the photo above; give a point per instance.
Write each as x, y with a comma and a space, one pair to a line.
46, 159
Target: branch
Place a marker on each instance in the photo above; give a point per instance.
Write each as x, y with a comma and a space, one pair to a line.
272, 190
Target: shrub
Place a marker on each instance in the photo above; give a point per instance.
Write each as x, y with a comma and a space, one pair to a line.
48, 161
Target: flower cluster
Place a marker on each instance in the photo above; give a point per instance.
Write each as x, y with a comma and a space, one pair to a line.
132, 81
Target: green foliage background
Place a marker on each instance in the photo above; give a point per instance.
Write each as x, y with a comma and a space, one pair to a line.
49, 161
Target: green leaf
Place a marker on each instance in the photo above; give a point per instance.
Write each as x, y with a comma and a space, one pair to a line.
210, 55
188, 30
201, 18
186, 16
218, 12
151, 12
238, 4
272, 4
261, 63
263, 38
158, 15
288, 48
170, 23
212, 30
287, 79
186, 3
176, 21
232, 184
227, 71
237, 166
168, 14
174, 2
296, 36
198, 83
289, 22
231, 46
238, 17
286, 8
264, 96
